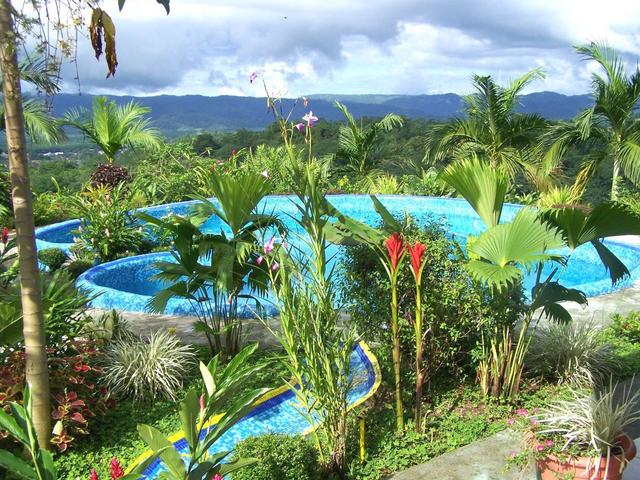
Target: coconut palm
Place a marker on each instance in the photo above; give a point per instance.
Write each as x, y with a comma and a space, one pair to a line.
112, 127
357, 144
493, 131
610, 123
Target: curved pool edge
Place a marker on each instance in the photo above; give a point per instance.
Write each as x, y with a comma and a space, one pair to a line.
373, 365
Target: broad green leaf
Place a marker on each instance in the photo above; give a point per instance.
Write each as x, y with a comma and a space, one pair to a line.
617, 270
8, 423
482, 185
189, 412
230, 467
157, 442
16, 465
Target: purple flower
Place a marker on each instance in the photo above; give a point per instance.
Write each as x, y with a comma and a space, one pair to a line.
259, 260
549, 443
300, 126
539, 448
253, 76
511, 421
310, 118
523, 412
275, 266
268, 247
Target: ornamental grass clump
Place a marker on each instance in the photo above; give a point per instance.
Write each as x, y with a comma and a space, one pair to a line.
571, 353
147, 369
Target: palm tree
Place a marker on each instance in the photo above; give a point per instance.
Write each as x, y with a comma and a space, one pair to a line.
609, 123
112, 127
492, 131
37, 373
357, 144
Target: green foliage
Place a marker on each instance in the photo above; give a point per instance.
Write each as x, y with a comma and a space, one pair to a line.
53, 258
358, 143
305, 296
221, 388
107, 227
52, 207
454, 305
624, 335
111, 127
20, 426
493, 132
280, 457
212, 271
146, 368
204, 144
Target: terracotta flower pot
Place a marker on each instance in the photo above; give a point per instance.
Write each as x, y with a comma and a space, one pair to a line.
585, 468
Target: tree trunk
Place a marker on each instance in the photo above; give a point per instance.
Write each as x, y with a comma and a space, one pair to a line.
614, 178
37, 374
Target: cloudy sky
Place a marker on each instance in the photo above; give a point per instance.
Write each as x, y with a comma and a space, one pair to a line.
301, 47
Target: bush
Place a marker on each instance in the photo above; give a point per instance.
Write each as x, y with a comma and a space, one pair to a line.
570, 353
78, 267
52, 258
454, 305
52, 207
107, 227
624, 335
109, 175
627, 327
75, 398
280, 457
147, 369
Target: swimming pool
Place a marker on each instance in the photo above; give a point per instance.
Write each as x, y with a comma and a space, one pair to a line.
126, 283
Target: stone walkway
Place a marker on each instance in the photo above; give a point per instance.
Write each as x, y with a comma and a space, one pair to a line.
484, 460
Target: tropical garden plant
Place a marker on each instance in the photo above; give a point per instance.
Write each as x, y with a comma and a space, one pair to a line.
318, 346
112, 127
610, 125
494, 132
204, 417
358, 144
213, 271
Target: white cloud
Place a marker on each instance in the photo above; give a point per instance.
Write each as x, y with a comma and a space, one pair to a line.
333, 46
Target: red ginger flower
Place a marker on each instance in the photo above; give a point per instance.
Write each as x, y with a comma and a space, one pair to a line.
116, 469
5, 235
395, 247
94, 474
416, 252
217, 476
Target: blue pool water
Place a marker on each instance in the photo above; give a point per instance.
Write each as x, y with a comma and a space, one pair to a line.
281, 413
126, 283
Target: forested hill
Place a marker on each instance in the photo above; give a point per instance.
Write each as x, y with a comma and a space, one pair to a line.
180, 115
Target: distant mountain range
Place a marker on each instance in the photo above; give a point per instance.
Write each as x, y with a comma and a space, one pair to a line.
181, 115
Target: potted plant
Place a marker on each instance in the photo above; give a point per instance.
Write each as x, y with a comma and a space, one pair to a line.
580, 438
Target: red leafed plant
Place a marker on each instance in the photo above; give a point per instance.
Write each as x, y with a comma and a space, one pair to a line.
75, 396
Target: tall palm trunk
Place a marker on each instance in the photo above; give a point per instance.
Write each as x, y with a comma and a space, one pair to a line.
614, 178
34, 339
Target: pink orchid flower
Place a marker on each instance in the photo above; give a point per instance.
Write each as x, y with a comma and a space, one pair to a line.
253, 76
300, 126
275, 266
310, 118
259, 260
268, 247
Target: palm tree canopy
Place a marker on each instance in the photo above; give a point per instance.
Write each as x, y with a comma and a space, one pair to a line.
610, 122
492, 130
357, 143
112, 127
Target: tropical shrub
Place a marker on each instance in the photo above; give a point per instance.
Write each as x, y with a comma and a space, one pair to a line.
223, 398
571, 352
624, 334
109, 175
280, 457
107, 227
75, 394
454, 305
626, 326
214, 271
53, 207
64, 306
305, 296
146, 368
52, 258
